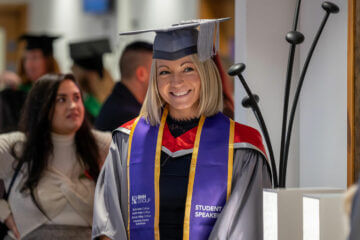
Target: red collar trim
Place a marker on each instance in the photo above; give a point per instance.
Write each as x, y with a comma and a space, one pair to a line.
243, 134
182, 142
128, 124
246, 134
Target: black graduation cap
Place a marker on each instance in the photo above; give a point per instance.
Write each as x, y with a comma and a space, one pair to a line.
185, 38
88, 54
43, 42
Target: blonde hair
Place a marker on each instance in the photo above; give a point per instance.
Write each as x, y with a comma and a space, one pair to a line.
210, 100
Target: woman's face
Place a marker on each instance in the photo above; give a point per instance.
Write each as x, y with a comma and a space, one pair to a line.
69, 109
34, 64
179, 85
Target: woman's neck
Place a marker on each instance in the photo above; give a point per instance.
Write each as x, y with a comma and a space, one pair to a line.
183, 114
63, 138
179, 127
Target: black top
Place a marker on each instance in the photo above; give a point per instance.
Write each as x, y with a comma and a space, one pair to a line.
11, 103
174, 175
120, 107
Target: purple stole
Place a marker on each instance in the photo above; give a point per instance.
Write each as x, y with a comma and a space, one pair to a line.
209, 184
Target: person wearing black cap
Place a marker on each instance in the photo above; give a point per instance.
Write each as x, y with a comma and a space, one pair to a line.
88, 68
125, 101
36, 61
182, 169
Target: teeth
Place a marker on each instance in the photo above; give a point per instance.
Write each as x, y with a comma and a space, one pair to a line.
178, 94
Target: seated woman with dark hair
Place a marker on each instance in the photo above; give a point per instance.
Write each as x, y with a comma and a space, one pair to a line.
55, 162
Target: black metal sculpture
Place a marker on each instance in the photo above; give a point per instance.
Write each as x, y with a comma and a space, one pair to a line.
294, 38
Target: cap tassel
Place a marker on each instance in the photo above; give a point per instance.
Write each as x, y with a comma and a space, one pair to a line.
216, 49
205, 40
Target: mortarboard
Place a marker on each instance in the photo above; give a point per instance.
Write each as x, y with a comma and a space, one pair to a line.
185, 38
43, 42
88, 54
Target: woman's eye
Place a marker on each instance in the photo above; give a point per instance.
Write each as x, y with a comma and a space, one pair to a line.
163, 72
60, 100
188, 69
76, 98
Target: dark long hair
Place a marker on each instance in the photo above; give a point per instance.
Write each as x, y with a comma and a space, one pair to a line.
36, 122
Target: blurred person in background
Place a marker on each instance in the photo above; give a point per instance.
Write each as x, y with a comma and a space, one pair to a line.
36, 61
95, 81
54, 163
126, 99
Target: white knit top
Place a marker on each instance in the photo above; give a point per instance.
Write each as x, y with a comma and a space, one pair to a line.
64, 192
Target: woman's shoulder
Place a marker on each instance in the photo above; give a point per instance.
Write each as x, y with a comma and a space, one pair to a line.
246, 133
101, 137
125, 128
248, 137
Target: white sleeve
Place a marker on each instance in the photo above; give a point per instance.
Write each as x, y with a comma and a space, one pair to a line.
7, 148
4, 210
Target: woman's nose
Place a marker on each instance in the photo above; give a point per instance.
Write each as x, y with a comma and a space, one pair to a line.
177, 79
72, 104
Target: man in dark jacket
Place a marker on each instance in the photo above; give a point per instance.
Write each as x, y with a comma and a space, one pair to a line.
124, 103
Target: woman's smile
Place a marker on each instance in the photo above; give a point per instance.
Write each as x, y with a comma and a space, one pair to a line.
180, 94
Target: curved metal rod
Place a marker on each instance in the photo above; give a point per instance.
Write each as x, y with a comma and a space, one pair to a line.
262, 124
285, 111
287, 95
296, 16
297, 94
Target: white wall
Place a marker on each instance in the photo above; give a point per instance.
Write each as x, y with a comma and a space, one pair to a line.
261, 45
318, 146
323, 106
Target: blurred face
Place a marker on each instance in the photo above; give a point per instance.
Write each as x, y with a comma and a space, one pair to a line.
34, 64
69, 109
179, 85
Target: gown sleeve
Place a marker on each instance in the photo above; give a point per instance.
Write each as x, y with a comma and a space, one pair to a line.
110, 204
241, 217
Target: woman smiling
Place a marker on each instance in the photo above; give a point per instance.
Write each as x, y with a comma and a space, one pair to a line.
182, 169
